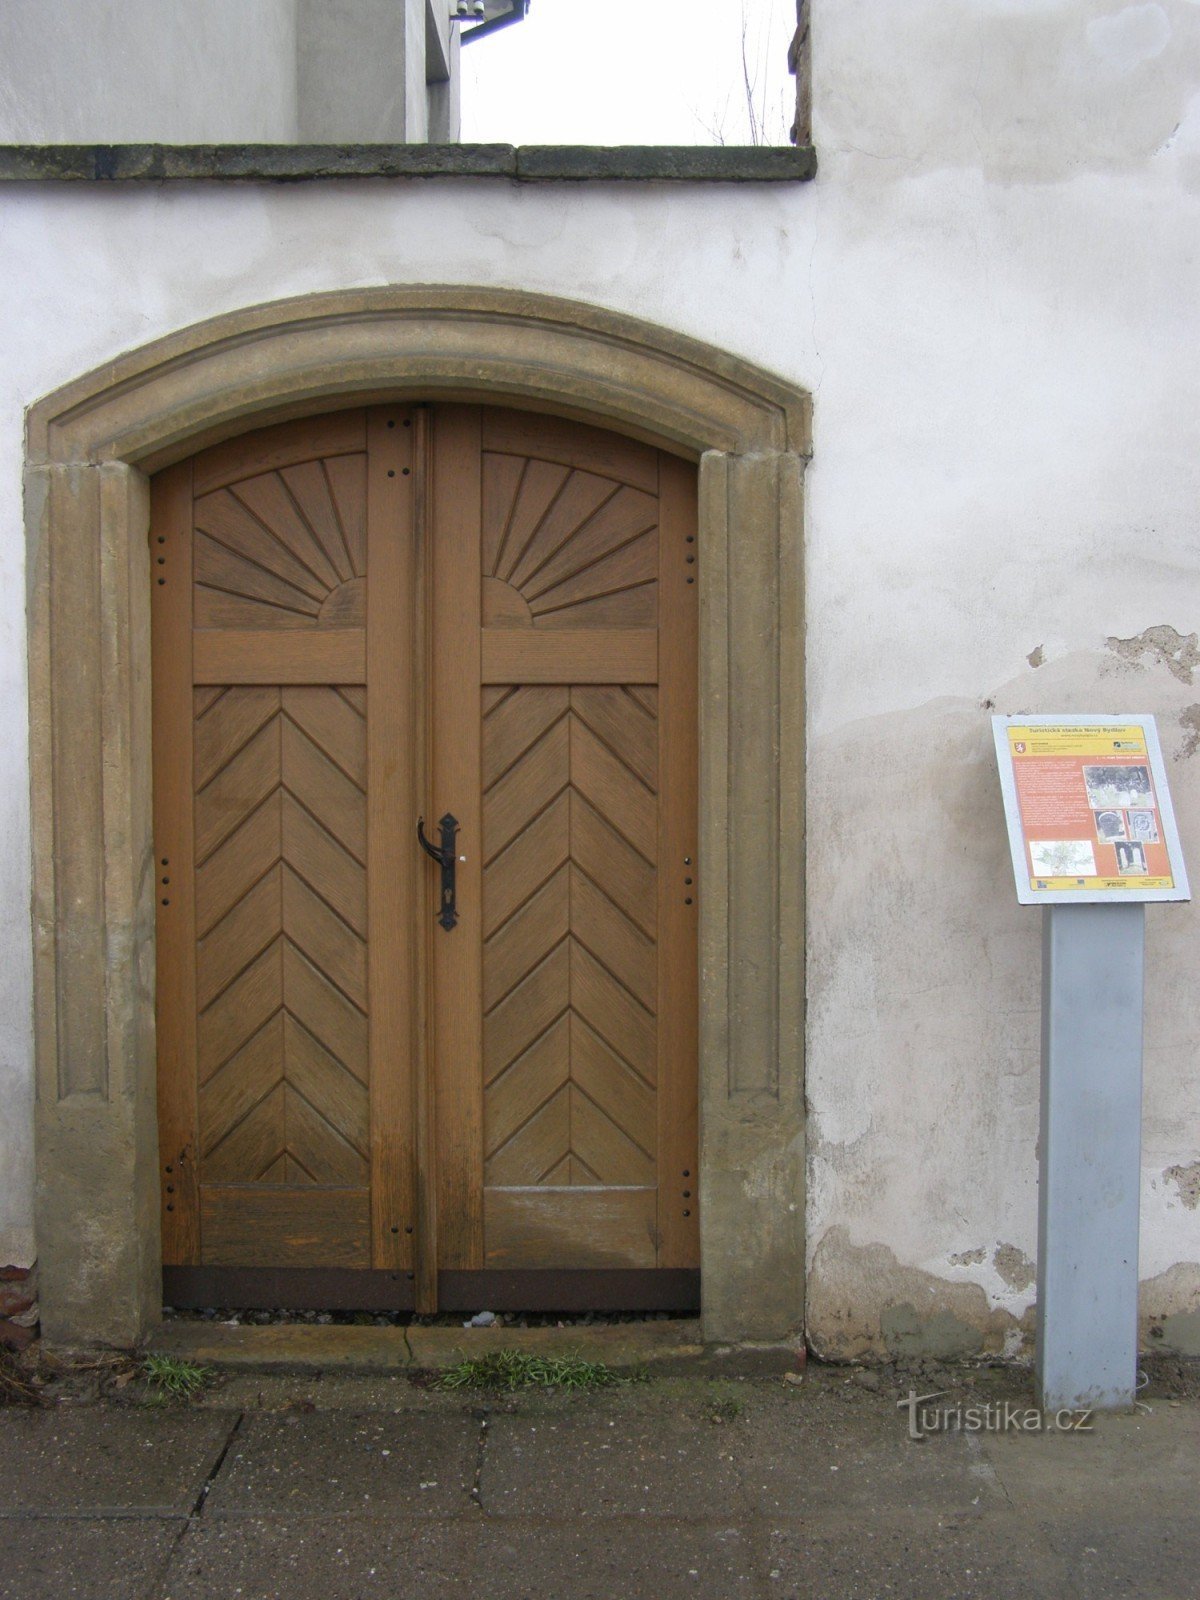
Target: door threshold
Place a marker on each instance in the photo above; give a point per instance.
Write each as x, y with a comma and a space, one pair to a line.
306, 1346
366, 1289
664, 1348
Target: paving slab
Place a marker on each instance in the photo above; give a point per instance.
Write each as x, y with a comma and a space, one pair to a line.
1146, 1556
604, 1465
507, 1559
916, 1558
611, 1559
107, 1462
1102, 1469
73, 1558
296, 1558
360, 1485
817, 1455
330, 1464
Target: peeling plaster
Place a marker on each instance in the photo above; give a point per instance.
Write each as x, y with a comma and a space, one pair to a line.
1169, 1311
1187, 1181
1189, 720
1014, 1266
865, 1304
1165, 646
1036, 656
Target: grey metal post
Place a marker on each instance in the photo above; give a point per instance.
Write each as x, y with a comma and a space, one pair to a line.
1090, 1154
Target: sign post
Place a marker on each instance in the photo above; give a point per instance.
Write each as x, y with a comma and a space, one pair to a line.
1093, 838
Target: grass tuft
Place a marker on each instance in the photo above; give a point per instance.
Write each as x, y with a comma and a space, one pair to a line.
509, 1370
720, 1410
170, 1378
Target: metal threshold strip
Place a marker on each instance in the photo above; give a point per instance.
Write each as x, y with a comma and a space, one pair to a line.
369, 1289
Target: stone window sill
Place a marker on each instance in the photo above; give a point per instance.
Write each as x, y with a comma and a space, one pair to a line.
294, 163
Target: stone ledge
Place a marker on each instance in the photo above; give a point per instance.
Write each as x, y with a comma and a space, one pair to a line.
289, 163
680, 163
671, 1348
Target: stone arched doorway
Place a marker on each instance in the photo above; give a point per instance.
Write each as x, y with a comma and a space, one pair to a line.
91, 449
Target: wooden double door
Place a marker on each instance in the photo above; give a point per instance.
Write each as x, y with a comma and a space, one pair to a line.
368, 1096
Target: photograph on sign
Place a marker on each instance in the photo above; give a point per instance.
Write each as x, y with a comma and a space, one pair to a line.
1088, 809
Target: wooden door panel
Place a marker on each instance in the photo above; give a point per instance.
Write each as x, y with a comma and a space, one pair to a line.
278, 950
543, 440
306, 1226
572, 572
522, 1015
576, 1228
272, 1153
599, 655
344, 1084
327, 438
333, 655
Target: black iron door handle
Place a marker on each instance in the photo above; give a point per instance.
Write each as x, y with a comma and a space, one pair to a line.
446, 857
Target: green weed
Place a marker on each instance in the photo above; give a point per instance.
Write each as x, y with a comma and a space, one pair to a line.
509, 1370
170, 1378
722, 1410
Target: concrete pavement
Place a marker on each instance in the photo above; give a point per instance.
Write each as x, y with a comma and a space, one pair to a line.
351, 1486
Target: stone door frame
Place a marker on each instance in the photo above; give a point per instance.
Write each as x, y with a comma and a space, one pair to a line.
91, 447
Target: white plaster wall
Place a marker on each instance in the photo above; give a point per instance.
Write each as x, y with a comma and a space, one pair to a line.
991, 292
217, 71
1002, 303
166, 71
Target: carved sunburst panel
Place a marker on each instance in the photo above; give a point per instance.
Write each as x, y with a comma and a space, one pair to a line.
284, 549
566, 548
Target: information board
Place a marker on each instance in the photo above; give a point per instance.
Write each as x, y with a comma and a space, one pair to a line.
1088, 809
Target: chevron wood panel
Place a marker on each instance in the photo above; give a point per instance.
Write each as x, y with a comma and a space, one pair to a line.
570, 956
281, 951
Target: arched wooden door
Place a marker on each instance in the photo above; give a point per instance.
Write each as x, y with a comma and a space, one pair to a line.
368, 1097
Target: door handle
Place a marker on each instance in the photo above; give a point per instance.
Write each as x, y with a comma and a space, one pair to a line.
446, 858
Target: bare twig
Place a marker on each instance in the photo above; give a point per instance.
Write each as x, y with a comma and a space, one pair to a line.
766, 122
15, 1387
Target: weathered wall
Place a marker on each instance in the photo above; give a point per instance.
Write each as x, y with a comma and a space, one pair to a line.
990, 291
220, 71
1003, 309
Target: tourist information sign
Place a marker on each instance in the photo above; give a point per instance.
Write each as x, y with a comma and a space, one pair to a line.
1088, 809
1093, 837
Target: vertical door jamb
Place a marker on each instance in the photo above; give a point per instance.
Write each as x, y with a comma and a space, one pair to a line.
678, 868
174, 861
